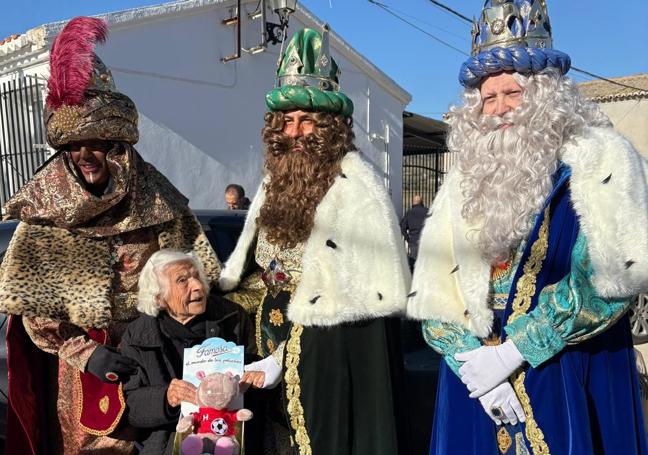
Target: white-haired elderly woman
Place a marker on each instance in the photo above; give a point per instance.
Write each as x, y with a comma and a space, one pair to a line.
177, 312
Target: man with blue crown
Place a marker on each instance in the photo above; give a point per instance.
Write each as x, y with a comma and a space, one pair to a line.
532, 252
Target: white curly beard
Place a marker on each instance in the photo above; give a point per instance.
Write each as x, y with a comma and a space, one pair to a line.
507, 172
507, 175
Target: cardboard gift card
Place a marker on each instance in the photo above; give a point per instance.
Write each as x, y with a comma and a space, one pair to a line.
214, 355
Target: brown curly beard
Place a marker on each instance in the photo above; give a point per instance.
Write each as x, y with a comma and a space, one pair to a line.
300, 179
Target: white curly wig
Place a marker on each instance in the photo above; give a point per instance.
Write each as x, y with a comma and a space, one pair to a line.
152, 282
507, 173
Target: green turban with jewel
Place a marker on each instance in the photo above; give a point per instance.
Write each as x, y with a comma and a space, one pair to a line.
308, 77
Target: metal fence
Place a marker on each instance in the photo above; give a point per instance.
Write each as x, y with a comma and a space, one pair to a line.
424, 173
22, 138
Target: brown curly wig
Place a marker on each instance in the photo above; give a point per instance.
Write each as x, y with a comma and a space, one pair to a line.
299, 180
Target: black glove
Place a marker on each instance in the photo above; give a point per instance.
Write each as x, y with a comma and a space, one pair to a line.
110, 366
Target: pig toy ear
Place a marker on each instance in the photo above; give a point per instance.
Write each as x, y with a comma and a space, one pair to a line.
200, 375
229, 374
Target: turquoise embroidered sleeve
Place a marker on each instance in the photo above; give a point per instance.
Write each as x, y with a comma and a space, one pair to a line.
567, 312
448, 339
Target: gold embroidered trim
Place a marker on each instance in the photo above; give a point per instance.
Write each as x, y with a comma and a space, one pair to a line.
524, 292
79, 408
257, 329
533, 432
504, 440
526, 285
276, 317
293, 390
265, 252
103, 404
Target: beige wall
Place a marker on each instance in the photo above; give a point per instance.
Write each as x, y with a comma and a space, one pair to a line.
630, 118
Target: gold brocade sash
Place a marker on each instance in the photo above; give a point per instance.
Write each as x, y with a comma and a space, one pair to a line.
293, 391
524, 291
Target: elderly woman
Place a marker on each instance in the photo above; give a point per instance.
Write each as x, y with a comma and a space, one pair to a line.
177, 314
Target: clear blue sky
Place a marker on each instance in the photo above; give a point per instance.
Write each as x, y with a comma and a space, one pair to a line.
603, 37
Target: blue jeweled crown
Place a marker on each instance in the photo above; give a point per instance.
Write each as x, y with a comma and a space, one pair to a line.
504, 23
512, 35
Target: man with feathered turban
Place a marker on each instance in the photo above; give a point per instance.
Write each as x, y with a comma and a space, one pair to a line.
89, 220
331, 266
531, 255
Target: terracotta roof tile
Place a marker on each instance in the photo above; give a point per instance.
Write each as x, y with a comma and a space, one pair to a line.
9, 38
603, 91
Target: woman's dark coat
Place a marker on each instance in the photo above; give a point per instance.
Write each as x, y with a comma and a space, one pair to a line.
146, 390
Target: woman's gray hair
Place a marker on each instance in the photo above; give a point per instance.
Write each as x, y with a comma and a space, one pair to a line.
152, 283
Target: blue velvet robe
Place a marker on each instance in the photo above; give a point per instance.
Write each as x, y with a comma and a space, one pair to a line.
581, 378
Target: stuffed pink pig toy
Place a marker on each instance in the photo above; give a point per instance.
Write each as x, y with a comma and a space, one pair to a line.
214, 424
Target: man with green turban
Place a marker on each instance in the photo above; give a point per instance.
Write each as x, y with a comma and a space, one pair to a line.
330, 266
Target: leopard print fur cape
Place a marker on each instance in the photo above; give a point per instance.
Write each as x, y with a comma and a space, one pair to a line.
59, 274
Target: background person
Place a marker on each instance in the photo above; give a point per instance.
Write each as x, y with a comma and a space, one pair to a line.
411, 226
235, 197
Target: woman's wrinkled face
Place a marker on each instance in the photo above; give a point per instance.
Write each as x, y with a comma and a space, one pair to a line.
89, 157
186, 296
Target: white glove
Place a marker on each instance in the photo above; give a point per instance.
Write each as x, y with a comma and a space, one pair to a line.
502, 405
271, 369
488, 366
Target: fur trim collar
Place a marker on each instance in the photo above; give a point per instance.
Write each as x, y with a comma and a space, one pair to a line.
609, 186
354, 265
609, 189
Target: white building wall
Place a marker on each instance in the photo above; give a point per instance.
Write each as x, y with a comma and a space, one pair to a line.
630, 118
200, 119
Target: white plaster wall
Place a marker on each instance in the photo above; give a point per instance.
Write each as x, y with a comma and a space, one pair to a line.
200, 119
39, 68
630, 118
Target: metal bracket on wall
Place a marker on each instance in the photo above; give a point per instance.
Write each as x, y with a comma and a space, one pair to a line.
270, 32
234, 20
260, 12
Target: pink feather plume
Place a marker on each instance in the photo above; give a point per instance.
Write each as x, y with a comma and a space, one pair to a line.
71, 60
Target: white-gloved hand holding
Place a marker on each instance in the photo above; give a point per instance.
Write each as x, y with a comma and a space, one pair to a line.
486, 367
269, 367
502, 405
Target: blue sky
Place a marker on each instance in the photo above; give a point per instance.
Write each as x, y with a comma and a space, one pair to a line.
606, 38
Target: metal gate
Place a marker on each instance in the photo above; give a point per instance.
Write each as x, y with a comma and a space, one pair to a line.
426, 160
424, 173
22, 139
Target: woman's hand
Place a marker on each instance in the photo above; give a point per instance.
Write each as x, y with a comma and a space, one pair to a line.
180, 391
252, 378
